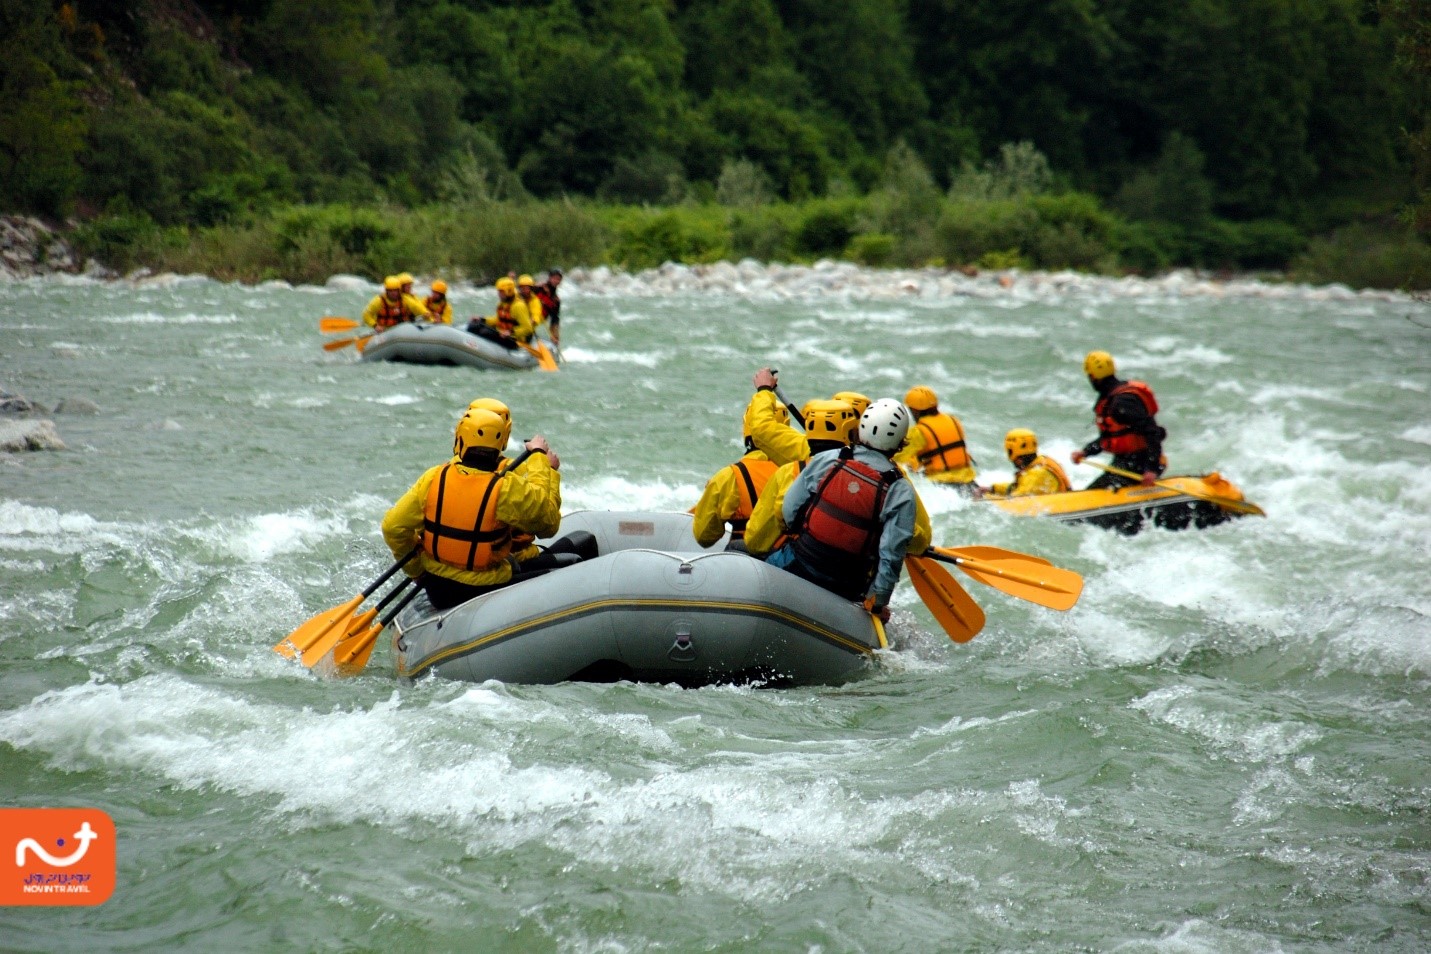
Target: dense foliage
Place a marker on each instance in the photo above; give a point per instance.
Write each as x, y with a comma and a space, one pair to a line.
1218, 132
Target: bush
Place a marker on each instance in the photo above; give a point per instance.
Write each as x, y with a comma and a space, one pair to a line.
764, 233
826, 226
646, 239
743, 184
1366, 257
872, 248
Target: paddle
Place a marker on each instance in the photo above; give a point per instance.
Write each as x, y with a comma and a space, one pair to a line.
330, 323
1017, 574
1226, 503
351, 655
320, 625
545, 361
951, 605
794, 411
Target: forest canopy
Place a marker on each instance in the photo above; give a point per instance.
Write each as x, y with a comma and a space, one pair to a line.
1305, 112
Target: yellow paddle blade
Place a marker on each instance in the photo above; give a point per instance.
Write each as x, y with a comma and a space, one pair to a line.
361, 343
951, 605
314, 629
993, 553
339, 343
1017, 574
360, 622
331, 323
324, 644
542, 353
351, 656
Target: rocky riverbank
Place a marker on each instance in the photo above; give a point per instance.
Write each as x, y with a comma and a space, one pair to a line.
29, 247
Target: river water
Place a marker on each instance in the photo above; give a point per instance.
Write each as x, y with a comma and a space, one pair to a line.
1223, 747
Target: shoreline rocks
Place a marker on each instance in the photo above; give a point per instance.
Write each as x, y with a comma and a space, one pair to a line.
29, 248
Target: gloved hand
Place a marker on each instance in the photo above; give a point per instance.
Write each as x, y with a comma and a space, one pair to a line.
1150, 478
1077, 456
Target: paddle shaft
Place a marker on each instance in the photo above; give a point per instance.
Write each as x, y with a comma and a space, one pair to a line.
1227, 503
794, 411
982, 567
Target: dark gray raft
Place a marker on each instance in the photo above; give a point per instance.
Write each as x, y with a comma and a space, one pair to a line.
653, 607
424, 342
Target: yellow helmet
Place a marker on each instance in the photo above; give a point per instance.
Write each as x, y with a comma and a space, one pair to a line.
1098, 365
855, 400
829, 421
1019, 442
493, 405
391, 283
479, 429
526, 280
439, 287
405, 278
921, 398
505, 284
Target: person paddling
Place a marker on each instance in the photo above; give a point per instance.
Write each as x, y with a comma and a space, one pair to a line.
851, 512
936, 442
463, 515
1127, 428
392, 307
1033, 473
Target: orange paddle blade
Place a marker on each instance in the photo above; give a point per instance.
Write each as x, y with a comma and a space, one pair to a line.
361, 343
331, 323
952, 607
543, 354
350, 656
1018, 574
317, 627
338, 343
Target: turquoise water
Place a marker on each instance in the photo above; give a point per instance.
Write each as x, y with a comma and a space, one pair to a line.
1223, 747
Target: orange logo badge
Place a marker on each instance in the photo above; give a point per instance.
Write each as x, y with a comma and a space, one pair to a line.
54, 856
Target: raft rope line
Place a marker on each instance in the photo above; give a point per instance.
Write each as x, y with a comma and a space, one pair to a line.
756, 609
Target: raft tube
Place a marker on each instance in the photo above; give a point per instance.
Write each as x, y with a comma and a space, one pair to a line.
425, 342
1129, 509
652, 607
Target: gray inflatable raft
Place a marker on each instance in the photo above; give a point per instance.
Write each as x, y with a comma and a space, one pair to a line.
653, 607
424, 342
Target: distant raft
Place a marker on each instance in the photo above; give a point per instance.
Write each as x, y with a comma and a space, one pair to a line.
1181, 503
423, 342
653, 607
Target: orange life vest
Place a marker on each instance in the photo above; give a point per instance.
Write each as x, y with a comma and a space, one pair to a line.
460, 526
1114, 437
943, 444
839, 526
392, 313
436, 306
505, 321
754, 475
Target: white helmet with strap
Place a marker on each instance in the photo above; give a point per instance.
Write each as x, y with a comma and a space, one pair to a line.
884, 425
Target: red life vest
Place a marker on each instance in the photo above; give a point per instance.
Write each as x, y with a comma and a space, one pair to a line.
551, 303
1114, 437
839, 526
943, 444
460, 526
754, 475
392, 313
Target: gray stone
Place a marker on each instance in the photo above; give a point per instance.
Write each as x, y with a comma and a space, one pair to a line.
76, 405
28, 435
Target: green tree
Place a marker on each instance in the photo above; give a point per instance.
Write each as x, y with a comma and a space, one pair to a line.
42, 120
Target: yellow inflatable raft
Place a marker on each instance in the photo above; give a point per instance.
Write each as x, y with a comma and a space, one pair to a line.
1174, 503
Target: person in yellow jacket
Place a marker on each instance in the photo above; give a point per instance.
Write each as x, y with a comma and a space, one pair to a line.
462, 515
855, 400
528, 302
832, 425
936, 442
767, 423
510, 326
439, 309
392, 307
1033, 472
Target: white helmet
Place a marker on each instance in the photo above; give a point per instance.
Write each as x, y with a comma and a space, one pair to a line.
884, 424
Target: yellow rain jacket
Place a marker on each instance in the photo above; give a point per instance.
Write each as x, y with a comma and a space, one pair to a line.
438, 311
533, 308
780, 442
522, 328
728, 498
766, 528
412, 309
527, 501
953, 466
1043, 475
